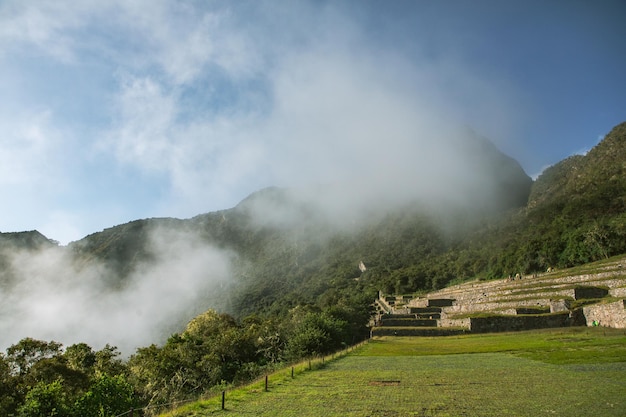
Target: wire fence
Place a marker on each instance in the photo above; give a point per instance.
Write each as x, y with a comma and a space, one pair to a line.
308, 364
133, 412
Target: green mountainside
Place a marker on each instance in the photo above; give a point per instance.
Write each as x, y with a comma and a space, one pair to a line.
288, 254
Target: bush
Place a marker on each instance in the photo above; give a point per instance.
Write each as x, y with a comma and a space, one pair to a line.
45, 400
108, 396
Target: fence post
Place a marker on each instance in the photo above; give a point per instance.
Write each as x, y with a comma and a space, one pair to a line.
292, 372
223, 399
265, 383
131, 412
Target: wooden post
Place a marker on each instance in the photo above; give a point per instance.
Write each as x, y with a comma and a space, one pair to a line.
131, 411
223, 400
265, 383
309, 364
292, 372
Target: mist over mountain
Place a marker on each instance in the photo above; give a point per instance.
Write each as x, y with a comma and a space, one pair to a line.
463, 210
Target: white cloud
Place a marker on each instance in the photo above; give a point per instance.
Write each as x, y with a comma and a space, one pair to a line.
45, 25
28, 143
337, 111
54, 298
220, 100
145, 119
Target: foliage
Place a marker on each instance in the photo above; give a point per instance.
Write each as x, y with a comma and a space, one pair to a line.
316, 334
108, 396
80, 357
24, 354
38, 378
9, 395
213, 348
45, 400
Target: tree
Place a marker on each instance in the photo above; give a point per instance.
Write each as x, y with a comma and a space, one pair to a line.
597, 238
108, 396
213, 348
48, 370
28, 351
81, 357
315, 334
9, 396
218, 345
107, 361
267, 338
150, 373
45, 400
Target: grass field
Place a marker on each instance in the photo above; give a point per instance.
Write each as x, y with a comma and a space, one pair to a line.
564, 372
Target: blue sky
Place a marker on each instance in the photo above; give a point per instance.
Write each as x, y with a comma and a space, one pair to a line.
112, 111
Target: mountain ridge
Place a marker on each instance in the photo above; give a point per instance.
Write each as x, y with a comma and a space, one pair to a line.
292, 254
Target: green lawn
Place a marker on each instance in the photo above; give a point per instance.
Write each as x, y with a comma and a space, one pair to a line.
571, 372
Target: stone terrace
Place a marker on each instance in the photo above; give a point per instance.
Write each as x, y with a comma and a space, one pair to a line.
590, 295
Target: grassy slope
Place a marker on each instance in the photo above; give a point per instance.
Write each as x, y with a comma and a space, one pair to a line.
568, 372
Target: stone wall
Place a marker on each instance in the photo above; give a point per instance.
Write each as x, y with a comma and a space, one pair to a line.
588, 292
501, 306
440, 302
556, 306
533, 310
515, 305
618, 292
403, 322
404, 331
419, 302
454, 323
516, 323
607, 314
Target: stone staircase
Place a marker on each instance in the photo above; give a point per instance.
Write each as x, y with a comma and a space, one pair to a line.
590, 295
395, 318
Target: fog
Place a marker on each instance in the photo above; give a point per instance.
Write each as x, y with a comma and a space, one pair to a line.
351, 136
306, 96
52, 298
207, 106
351, 128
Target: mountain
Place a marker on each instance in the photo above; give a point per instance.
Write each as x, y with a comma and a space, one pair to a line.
18, 242
284, 248
597, 178
577, 208
291, 249
31, 240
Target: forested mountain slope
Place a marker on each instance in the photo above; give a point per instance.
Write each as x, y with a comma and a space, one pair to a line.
288, 251
284, 252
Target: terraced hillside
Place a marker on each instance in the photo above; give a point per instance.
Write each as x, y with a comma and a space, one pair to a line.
591, 295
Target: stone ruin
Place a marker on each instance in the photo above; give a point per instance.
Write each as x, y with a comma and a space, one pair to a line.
549, 300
